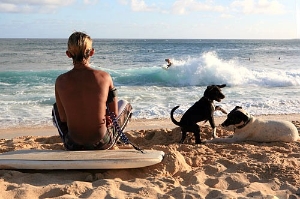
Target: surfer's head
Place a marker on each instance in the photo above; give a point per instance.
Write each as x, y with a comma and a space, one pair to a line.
80, 47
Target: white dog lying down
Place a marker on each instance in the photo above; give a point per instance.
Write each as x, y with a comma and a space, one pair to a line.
249, 128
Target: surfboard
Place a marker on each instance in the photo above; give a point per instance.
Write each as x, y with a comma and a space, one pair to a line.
94, 159
163, 67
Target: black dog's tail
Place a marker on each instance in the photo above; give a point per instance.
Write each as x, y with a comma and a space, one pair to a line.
172, 118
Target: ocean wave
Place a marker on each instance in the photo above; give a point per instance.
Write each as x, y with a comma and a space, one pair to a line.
204, 70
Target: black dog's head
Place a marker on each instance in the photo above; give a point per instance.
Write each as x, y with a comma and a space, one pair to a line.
236, 116
213, 92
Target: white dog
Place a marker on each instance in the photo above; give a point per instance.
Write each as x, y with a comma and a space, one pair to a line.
249, 128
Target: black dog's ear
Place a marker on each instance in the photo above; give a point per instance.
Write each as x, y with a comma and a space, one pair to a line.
221, 86
238, 107
210, 87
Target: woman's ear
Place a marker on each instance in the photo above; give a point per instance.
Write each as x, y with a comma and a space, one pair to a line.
68, 54
92, 52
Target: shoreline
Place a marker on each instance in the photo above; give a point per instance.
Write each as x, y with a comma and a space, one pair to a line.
133, 125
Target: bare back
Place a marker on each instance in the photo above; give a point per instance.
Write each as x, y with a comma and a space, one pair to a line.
81, 96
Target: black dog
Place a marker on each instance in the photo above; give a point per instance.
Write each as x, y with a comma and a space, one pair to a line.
202, 110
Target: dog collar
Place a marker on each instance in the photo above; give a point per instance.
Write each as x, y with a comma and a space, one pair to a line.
245, 123
208, 99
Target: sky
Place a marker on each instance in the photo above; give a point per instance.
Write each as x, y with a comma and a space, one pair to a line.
151, 19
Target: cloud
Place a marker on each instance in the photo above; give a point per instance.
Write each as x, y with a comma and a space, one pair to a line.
141, 6
268, 7
271, 7
226, 9
28, 6
186, 6
123, 2
90, 2
226, 16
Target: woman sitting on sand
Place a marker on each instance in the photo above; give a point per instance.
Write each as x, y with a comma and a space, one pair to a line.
84, 99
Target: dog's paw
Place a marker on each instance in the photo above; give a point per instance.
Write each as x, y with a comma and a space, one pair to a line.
214, 135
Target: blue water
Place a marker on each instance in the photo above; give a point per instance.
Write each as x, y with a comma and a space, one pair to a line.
263, 76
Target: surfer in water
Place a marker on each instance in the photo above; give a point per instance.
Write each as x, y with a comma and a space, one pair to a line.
169, 63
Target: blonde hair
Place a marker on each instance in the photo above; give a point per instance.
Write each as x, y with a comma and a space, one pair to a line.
79, 46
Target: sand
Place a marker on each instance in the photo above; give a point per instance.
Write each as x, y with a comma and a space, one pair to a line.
239, 170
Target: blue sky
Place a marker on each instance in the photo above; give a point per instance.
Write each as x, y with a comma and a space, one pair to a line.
158, 19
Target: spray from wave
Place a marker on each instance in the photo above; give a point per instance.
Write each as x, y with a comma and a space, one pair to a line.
204, 70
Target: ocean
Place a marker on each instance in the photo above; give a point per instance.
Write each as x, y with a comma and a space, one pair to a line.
262, 76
